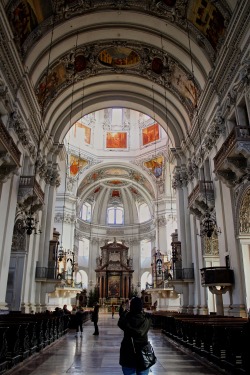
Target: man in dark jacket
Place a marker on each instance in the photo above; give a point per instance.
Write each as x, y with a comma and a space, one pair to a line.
135, 326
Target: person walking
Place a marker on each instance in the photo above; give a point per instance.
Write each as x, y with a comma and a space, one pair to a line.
95, 316
135, 325
113, 311
79, 321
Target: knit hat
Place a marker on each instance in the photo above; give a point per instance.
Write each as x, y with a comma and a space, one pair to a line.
136, 305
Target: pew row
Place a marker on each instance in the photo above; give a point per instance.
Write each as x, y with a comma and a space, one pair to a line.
221, 340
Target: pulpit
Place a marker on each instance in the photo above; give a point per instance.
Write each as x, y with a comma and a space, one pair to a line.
114, 271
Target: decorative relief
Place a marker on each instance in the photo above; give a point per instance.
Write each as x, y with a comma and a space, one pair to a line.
162, 221
65, 218
180, 177
52, 176
22, 131
211, 246
244, 215
192, 169
5, 101
7, 171
19, 237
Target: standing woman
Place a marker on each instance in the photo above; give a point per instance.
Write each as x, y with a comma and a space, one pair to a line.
95, 318
135, 326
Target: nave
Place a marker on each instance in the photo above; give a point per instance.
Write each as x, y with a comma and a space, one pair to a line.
99, 355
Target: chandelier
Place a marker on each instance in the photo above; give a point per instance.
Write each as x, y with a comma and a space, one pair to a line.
209, 226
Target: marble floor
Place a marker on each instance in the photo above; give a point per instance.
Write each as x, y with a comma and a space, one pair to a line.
99, 355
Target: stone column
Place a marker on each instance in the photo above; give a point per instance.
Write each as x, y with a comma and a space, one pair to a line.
8, 203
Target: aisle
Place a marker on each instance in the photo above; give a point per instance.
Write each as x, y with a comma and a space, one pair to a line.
99, 355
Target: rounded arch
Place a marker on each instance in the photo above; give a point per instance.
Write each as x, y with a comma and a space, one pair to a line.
146, 278
82, 277
173, 122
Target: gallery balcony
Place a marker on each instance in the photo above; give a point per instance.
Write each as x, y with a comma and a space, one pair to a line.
175, 276
9, 155
50, 275
201, 198
30, 193
232, 160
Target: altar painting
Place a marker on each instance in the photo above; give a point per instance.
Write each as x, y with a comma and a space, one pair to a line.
150, 134
114, 286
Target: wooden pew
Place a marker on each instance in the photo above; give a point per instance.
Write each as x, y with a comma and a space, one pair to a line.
218, 338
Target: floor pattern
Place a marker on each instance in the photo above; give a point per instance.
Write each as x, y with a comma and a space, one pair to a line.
99, 355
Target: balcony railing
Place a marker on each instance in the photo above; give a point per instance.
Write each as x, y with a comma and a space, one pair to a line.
51, 274
9, 145
238, 134
204, 188
29, 182
178, 274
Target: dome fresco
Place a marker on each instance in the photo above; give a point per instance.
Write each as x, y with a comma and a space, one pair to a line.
105, 171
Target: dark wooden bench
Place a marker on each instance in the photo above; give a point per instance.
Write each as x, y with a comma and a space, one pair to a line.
221, 339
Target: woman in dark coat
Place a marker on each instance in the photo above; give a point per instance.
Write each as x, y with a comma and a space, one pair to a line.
135, 325
95, 316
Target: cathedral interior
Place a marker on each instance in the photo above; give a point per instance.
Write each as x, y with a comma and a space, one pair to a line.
125, 154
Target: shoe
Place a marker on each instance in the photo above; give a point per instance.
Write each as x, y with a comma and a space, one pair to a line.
95, 334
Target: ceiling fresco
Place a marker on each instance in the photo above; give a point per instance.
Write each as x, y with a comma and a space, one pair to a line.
34, 16
32, 19
173, 77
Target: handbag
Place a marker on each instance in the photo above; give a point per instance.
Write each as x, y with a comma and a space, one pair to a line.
145, 357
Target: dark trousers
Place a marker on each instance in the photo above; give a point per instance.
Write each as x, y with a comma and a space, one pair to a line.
79, 325
96, 328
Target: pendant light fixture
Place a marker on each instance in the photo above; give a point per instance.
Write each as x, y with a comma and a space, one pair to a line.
208, 223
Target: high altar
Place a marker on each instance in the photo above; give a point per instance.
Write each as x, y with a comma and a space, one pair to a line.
114, 271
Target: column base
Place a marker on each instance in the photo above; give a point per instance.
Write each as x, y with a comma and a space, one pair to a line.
28, 308
4, 307
236, 310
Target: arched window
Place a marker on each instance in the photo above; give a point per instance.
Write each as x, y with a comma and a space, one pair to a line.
144, 213
115, 216
85, 213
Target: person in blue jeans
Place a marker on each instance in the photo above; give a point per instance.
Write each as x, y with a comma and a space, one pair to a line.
135, 325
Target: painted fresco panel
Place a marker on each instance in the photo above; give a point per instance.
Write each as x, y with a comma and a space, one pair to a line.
184, 85
150, 134
155, 166
119, 56
116, 140
86, 130
50, 83
76, 164
208, 19
28, 14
